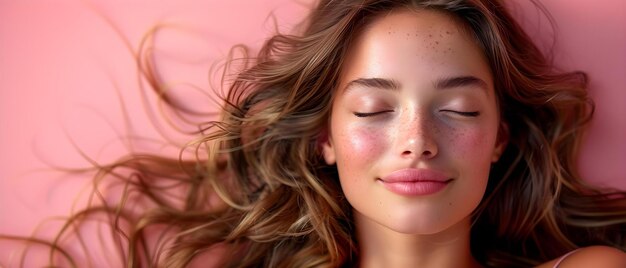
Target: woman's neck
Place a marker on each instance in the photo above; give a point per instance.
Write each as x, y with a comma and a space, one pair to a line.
380, 246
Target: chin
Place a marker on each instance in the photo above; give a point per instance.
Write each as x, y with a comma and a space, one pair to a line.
418, 223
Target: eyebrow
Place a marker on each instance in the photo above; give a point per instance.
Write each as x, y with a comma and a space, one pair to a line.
460, 81
444, 83
381, 83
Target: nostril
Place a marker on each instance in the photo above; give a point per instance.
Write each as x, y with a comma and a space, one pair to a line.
410, 153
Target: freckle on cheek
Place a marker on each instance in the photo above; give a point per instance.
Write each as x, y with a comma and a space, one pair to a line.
467, 141
436, 131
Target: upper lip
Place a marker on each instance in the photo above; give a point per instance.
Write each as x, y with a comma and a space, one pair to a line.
415, 175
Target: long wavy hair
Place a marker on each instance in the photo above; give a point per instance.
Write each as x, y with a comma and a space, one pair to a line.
280, 205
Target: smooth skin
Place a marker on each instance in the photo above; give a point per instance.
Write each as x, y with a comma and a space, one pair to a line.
416, 93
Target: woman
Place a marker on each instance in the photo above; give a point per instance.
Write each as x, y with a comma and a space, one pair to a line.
399, 133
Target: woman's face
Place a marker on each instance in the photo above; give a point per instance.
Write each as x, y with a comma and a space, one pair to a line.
414, 123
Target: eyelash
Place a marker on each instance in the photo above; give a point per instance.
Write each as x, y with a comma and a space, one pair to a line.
357, 114
468, 114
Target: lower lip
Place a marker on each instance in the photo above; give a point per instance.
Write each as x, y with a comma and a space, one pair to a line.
415, 188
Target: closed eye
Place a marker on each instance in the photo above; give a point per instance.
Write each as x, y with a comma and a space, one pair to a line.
463, 113
371, 114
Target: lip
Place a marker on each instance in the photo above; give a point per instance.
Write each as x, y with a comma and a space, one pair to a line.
415, 182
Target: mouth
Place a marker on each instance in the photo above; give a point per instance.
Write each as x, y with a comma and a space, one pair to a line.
415, 182
415, 188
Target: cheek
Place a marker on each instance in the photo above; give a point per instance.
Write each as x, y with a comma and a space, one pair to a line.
360, 144
473, 147
468, 141
358, 148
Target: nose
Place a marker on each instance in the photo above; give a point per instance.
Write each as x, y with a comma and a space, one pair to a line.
417, 138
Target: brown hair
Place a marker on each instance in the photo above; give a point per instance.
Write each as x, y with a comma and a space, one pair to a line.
288, 209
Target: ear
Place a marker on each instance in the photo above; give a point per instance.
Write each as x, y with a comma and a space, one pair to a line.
328, 150
501, 142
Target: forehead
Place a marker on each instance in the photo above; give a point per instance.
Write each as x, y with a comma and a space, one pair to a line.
407, 42
418, 20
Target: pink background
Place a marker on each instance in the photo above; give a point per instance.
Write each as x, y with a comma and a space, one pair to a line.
61, 62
